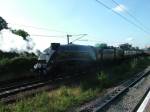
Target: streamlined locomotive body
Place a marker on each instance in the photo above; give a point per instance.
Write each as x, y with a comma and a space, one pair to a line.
65, 57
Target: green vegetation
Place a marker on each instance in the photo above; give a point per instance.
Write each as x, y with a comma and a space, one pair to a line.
89, 87
57, 101
21, 33
102, 45
3, 24
16, 65
12, 64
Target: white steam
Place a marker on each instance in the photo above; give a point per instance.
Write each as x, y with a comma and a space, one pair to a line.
12, 42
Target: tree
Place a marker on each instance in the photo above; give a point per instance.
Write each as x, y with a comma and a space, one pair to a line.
24, 35
3, 24
102, 45
21, 33
148, 48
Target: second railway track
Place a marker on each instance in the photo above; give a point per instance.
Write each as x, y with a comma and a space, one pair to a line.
100, 104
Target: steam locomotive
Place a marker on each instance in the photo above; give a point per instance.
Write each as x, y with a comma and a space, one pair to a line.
78, 57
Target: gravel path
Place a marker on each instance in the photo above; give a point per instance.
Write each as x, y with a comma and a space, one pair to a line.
131, 98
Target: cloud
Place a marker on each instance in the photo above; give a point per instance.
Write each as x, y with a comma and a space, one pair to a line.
120, 8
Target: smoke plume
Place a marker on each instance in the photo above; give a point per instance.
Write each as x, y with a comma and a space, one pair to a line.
12, 42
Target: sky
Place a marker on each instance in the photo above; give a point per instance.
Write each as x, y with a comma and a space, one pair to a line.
62, 17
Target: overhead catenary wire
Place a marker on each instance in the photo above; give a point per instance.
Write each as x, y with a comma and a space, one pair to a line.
131, 15
79, 38
40, 28
55, 36
123, 17
64, 36
58, 36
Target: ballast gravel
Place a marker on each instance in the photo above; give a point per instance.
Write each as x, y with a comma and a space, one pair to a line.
128, 101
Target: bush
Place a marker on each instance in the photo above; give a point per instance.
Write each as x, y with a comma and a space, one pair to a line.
16, 65
103, 79
8, 54
4, 61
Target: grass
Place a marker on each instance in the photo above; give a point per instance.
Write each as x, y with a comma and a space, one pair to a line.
57, 101
89, 87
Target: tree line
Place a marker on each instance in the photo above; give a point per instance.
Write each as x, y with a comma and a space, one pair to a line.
19, 32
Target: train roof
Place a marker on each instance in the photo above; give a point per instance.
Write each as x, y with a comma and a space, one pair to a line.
74, 47
70, 47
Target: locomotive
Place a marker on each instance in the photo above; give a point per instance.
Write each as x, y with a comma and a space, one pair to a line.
78, 57
60, 57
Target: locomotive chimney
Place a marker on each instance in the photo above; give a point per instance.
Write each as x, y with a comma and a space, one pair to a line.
55, 46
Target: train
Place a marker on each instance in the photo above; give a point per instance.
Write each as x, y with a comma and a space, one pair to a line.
73, 57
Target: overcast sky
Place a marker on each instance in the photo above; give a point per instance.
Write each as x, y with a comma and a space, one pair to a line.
79, 17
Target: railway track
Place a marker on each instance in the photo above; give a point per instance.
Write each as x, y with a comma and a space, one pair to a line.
8, 94
12, 93
17, 84
99, 104
16, 81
